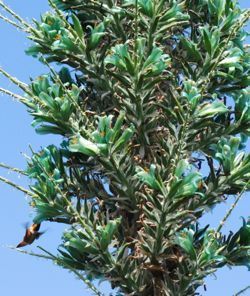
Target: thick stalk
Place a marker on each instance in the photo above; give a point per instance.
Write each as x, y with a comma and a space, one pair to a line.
158, 287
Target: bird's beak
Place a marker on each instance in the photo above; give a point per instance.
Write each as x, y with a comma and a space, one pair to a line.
21, 244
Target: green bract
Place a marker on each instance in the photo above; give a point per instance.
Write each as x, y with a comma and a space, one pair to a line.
151, 99
52, 105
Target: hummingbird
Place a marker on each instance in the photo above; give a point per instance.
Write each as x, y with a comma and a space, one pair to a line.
32, 233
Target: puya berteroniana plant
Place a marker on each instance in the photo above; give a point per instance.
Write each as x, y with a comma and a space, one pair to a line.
152, 101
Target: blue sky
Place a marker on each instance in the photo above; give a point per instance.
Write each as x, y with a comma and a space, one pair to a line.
26, 275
